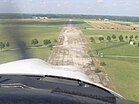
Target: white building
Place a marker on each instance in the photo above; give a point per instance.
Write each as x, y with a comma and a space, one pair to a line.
131, 42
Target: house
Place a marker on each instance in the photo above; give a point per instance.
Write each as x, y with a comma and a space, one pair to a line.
106, 19
45, 17
132, 43
35, 17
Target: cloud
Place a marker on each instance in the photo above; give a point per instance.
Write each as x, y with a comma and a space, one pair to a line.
30, 0
65, 4
114, 4
100, 1
124, 3
137, 2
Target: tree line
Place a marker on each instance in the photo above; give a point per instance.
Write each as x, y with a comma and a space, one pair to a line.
120, 37
102, 17
3, 45
34, 42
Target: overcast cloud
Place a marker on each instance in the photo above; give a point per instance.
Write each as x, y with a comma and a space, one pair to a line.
93, 7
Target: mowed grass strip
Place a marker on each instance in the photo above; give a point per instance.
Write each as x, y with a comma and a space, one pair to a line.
117, 48
29, 30
125, 76
9, 56
124, 71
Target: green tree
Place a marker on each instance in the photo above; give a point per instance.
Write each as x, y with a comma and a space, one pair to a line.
46, 42
92, 39
101, 38
134, 28
34, 42
126, 37
108, 38
7, 44
121, 38
131, 37
136, 37
113, 36
2, 45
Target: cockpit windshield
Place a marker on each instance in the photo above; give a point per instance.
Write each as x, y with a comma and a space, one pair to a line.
89, 40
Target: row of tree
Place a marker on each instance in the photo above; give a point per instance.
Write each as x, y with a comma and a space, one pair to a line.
121, 38
33, 42
45, 42
3, 45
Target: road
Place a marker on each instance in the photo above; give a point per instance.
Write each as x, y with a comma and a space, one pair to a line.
72, 49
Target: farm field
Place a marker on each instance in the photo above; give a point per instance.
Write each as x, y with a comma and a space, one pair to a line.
136, 25
111, 25
121, 58
30, 29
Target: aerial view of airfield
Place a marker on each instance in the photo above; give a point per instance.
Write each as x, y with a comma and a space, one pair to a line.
99, 37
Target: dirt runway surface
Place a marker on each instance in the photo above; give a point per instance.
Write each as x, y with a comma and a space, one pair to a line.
72, 49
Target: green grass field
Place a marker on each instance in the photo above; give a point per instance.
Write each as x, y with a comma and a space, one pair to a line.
125, 77
123, 71
8, 56
84, 26
29, 29
117, 48
33, 29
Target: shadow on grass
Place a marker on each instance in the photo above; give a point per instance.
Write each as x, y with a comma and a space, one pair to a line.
135, 60
112, 46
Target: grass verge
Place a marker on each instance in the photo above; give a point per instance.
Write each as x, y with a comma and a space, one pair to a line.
123, 71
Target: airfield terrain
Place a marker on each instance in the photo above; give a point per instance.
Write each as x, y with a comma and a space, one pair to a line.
72, 49
112, 63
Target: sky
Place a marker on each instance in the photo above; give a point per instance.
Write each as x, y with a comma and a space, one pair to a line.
91, 7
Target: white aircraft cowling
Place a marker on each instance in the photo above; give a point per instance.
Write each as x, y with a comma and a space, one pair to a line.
41, 68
